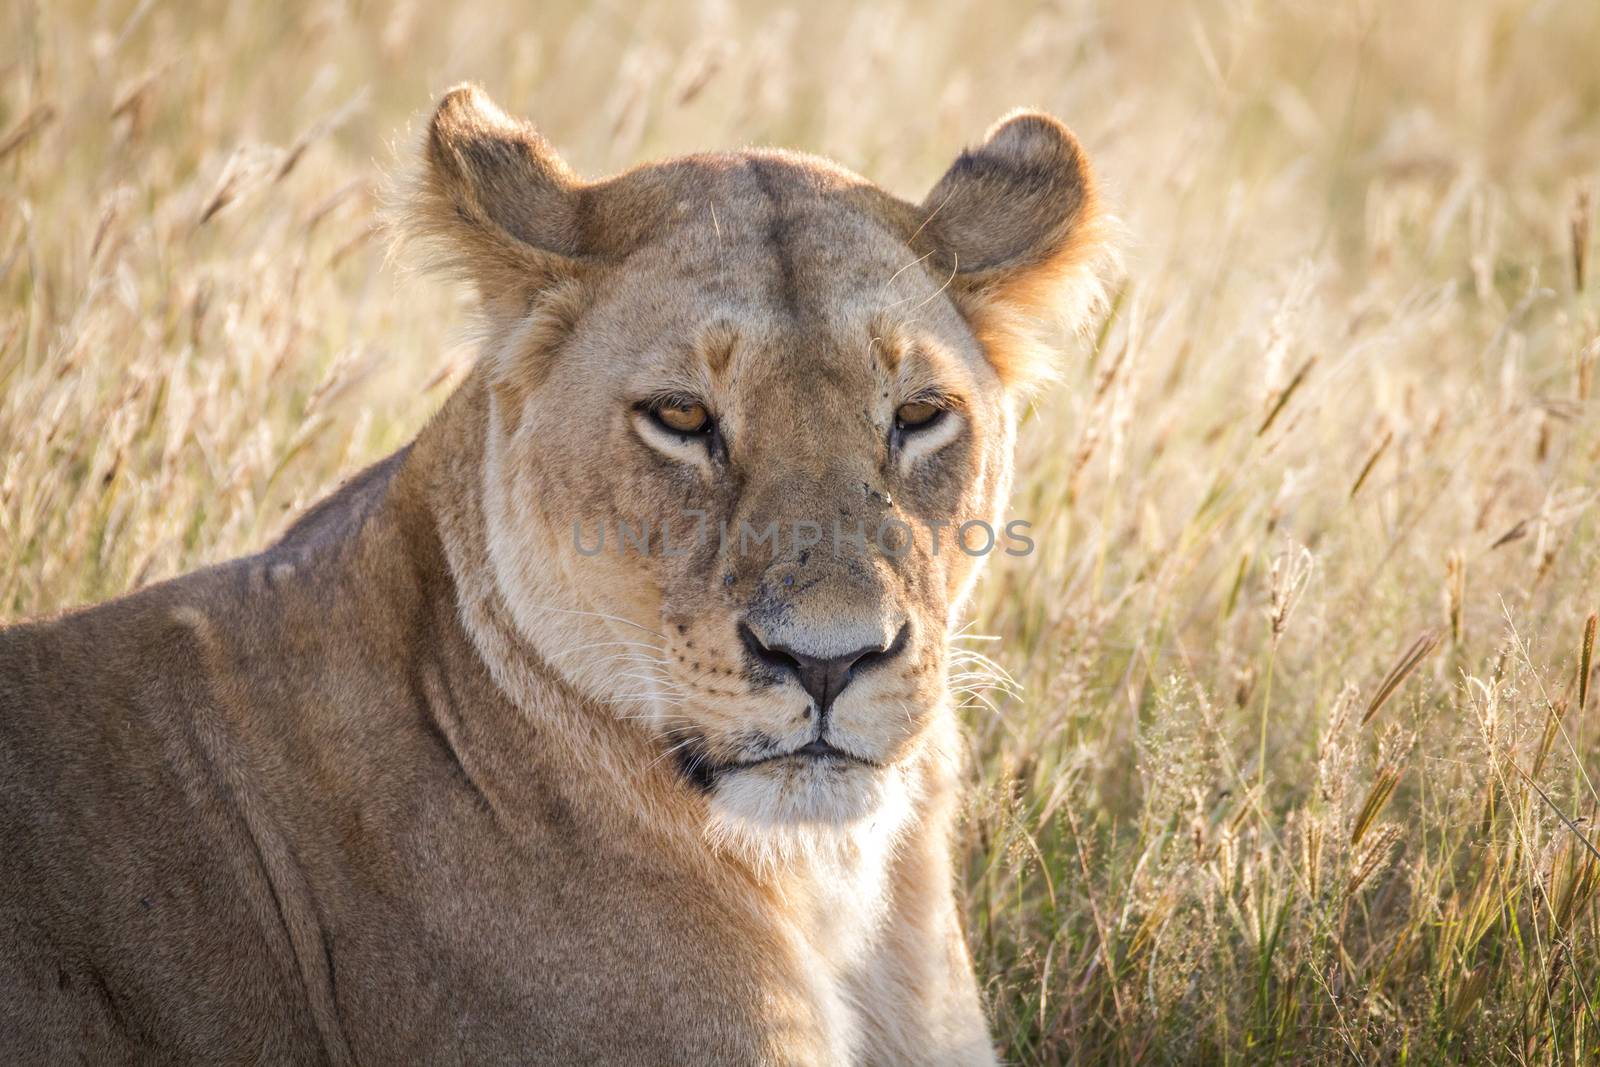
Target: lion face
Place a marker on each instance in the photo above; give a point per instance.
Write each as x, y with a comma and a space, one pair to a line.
751, 434
789, 429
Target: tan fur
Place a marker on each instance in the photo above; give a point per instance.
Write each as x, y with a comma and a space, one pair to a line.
425, 783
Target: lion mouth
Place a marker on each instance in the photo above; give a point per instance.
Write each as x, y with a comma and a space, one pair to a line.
816, 750
703, 772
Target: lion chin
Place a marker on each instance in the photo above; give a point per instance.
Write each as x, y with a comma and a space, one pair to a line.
787, 808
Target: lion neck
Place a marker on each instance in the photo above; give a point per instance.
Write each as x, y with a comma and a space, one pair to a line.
441, 481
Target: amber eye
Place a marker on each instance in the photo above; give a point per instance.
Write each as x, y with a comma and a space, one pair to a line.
680, 417
916, 415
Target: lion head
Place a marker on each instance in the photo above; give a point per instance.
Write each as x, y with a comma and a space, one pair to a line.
750, 432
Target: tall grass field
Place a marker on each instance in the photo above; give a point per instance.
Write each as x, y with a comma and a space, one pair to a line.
1284, 740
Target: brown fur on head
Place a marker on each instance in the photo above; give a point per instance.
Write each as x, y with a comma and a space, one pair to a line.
804, 312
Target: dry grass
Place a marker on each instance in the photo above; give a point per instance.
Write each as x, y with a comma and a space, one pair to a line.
1298, 767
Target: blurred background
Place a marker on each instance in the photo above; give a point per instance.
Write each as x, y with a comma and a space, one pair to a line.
1282, 741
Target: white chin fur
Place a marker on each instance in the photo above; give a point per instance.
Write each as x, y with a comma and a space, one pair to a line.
781, 810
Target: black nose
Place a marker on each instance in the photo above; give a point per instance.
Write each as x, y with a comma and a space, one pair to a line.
824, 677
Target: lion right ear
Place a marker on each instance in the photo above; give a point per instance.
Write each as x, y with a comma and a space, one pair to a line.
1016, 222
494, 200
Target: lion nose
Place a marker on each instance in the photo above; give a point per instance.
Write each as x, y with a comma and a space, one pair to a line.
823, 677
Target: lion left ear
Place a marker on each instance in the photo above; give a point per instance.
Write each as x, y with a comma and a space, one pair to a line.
1017, 223
494, 199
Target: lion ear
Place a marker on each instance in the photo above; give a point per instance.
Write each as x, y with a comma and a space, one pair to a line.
493, 199
1016, 222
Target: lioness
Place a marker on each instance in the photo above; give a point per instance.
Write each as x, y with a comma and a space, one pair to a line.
436, 779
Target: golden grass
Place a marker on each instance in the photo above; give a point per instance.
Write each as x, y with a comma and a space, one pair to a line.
1344, 396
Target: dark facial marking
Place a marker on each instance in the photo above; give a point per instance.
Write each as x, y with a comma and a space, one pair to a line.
697, 766
779, 237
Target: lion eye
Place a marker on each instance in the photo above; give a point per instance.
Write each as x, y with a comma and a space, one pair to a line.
682, 418
916, 415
